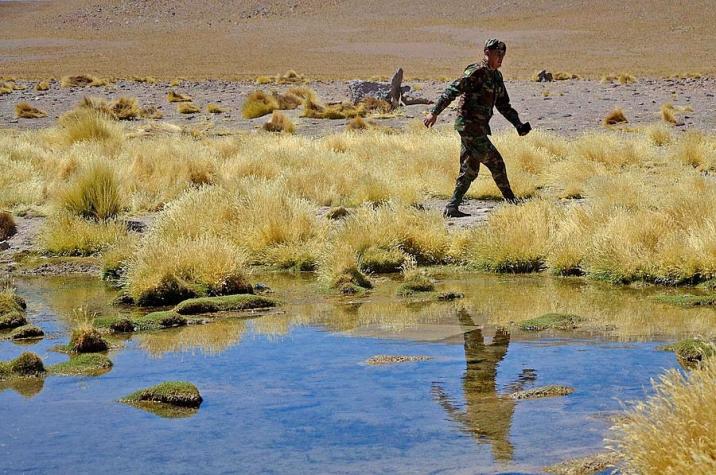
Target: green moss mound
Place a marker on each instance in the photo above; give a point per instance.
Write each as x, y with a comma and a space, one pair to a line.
87, 340
688, 300
27, 332
692, 351
12, 310
553, 321
415, 284
169, 399
377, 260
87, 364
159, 320
27, 364
226, 303
172, 290
553, 390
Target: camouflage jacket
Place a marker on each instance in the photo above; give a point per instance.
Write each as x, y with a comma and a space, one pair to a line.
482, 89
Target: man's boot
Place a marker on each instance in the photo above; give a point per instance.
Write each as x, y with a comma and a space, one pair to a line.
452, 212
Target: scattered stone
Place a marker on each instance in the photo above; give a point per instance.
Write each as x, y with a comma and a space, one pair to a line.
260, 288
556, 321
86, 364
544, 76
337, 213
225, 303
379, 360
552, 390
584, 465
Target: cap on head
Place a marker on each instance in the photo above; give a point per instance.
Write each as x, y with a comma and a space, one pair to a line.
494, 44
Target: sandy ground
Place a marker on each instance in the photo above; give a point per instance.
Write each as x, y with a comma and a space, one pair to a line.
341, 39
566, 107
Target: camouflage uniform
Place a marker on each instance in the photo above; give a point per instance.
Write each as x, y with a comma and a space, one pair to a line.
482, 89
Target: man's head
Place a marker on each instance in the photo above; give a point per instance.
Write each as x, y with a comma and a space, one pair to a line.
494, 52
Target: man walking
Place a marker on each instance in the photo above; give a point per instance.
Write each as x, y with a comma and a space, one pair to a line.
482, 88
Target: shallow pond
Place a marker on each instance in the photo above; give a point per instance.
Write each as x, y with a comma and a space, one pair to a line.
290, 392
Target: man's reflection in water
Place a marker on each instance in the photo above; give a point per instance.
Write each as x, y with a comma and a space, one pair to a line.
487, 415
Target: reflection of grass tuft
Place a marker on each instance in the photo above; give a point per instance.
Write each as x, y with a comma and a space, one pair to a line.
556, 321
87, 364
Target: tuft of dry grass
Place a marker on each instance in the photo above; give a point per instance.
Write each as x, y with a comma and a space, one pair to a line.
673, 431
174, 96
214, 108
615, 117
89, 125
626, 78
23, 110
258, 104
43, 86
150, 112
145, 79
125, 108
82, 80
94, 193
188, 108
261, 80
357, 123
289, 76
8, 228
279, 123
563, 76
64, 234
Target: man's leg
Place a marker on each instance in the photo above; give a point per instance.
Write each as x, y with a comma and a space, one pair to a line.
494, 162
469, 168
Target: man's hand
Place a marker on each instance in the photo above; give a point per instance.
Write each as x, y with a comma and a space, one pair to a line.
524, 129
430, 120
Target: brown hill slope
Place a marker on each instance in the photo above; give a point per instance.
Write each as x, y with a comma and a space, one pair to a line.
339, 38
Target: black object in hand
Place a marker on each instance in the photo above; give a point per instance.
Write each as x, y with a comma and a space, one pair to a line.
524, 129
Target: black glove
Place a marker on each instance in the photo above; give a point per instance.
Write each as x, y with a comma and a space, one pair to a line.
524, 129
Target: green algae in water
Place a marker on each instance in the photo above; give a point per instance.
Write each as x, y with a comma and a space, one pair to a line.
556, 321
688, 300
226, 303
553, 390
172, 399
87, 364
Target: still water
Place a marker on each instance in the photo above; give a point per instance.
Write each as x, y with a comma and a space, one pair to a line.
291, 393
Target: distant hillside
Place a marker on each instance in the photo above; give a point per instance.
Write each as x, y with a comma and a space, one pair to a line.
342, 39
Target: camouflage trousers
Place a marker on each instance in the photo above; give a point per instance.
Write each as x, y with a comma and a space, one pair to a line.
474, 150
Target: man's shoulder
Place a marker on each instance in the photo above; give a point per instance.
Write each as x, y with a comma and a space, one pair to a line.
475, 70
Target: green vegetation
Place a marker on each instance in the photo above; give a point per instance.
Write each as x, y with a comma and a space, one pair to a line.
12, 309
552, 390
376, 260
688, 300
413, 282
148, 322
553, 321
692, 351
87, 364
168, 399
27, 332
226, 303
25, 365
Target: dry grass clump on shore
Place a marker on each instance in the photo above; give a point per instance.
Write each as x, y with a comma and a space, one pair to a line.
8, 228
94, 194
615, 117
64, 234
214, 108
279, 123
673, 431
188, 108
82, 80
43, 86
260, 103
24, 110
174, 96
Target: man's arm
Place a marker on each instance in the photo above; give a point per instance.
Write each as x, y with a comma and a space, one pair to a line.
455, 88
502, 103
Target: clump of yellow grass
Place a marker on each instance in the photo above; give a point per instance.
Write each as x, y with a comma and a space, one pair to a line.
289, 76
673, 431
24, 110
94, 193
188, 108
174, 96
68, 235
89, 125
214, 108
279, 123
564, 76
43, 86
615, 117
82, 80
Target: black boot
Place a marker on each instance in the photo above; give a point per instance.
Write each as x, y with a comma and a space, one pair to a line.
454, 213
